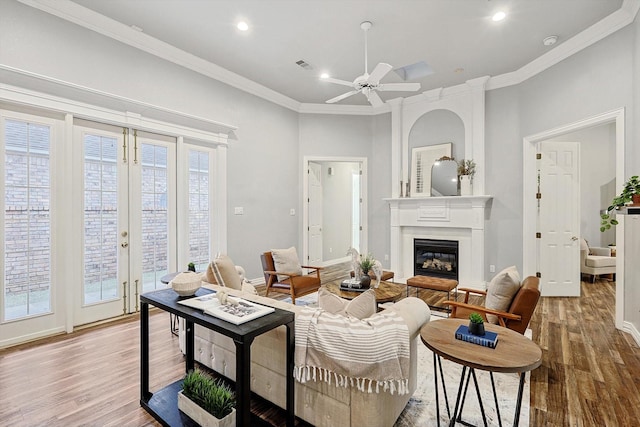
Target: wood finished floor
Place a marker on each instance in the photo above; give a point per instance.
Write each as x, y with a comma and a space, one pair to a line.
590, 374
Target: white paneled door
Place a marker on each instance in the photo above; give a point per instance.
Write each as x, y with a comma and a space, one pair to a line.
559, 218
315, 213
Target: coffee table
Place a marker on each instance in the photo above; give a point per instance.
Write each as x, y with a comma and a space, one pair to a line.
514, 353
386, 292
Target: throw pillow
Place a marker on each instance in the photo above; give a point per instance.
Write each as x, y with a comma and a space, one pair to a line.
501, 291
225, 272
286, 261
361, 307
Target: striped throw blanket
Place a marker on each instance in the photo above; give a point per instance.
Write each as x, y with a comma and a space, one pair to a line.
370, 354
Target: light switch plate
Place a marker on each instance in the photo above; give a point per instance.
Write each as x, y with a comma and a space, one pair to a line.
238, 210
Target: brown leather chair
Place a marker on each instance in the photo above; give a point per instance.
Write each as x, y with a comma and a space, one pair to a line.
520, 311
295, 284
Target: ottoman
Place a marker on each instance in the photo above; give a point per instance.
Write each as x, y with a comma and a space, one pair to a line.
434, 284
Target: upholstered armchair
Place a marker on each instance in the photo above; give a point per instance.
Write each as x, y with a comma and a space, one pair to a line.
283, 273
596, 261
518, 314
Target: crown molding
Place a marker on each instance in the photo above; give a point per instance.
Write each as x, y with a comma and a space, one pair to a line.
598, 31
343, 109
84, 17
91, 20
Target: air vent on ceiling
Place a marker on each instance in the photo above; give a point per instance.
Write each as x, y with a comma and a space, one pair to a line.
304, 65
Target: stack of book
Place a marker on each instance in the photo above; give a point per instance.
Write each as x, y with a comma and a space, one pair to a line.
489, 339
352, 285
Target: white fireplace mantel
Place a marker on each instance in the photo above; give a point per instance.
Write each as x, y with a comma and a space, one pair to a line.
460, 218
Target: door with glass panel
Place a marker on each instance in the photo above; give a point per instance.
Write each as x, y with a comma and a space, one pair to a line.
123, 201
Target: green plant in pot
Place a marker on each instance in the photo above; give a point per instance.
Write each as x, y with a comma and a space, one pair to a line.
366, 263
191, 267
630, 193
476, 324
208, 401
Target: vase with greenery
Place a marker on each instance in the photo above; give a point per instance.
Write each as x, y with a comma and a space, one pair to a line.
366, 263
466, 171
630, 193
476, 324
208, 401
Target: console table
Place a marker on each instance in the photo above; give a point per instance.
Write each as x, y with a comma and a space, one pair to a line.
163, 404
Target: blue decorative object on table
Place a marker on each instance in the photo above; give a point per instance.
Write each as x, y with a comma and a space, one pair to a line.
490, 339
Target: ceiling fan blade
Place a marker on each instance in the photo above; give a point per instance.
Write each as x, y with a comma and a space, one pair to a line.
338, 81
341, 97
400, 87
379, 72
374, 99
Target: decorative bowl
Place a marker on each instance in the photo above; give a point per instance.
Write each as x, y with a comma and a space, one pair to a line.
187, 283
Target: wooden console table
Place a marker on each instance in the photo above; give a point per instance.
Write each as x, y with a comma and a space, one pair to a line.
163, 404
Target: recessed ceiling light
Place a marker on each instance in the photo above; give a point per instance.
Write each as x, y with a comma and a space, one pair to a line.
550, 41
243, 26
499, 16
324, 76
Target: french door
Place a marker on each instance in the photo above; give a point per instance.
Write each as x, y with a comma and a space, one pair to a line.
124, 199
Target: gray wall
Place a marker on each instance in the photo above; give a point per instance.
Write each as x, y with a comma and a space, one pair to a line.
267, 136
596, 80
438, 127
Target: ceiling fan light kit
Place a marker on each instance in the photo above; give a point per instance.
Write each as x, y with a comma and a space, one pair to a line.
369, 84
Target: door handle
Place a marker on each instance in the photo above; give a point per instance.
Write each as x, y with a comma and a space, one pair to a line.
574, 238
124, 244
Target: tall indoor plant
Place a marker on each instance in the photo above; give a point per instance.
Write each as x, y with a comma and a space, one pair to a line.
630, 193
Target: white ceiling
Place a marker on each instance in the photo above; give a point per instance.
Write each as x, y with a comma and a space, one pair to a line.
447, 34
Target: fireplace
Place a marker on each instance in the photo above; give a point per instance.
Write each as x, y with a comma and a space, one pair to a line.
438, 258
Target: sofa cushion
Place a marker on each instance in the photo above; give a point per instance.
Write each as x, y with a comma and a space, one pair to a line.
501, 290
361, 307
209, 277
225, 272
286, 261
600, 261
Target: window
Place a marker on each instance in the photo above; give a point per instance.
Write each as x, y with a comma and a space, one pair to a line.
199, 212
26, 219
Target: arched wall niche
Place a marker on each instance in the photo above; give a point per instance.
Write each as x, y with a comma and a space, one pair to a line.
438, 127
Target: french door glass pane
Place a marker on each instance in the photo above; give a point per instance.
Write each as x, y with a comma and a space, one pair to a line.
155, 233
199, 232
27, 220
100, 219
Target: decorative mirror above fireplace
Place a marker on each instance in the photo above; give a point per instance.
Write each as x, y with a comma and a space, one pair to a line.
422, 159
444, 178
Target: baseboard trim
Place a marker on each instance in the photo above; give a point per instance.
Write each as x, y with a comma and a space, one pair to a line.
630, 328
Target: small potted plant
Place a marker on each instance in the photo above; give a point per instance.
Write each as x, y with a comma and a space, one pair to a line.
191, 267
476, 324
366, 263
209, 402
466, 171
630, 193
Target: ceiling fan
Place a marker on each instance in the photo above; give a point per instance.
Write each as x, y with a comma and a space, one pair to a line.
368, 84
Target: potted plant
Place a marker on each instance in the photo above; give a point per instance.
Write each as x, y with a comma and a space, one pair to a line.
476, 324
466, 171
630, 193
209, 402
366, 263
191, 267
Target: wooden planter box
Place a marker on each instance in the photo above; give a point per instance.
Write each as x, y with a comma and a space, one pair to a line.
202, 417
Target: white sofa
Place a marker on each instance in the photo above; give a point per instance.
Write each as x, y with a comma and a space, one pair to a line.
317, 403
596, 261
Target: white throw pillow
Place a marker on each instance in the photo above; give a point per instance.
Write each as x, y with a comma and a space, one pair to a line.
225, 272
286, 261
361, 307
501, 291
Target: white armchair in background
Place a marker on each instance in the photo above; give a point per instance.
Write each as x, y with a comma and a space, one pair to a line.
596, 261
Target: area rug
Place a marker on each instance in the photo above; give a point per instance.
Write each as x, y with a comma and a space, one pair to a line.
310, 300
421, 409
